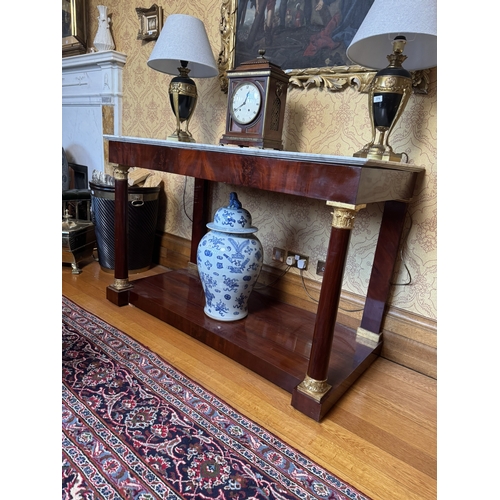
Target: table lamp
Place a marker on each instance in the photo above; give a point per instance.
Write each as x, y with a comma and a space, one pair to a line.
181, 49
409, 25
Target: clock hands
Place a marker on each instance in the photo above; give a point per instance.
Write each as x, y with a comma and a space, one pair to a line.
244, 102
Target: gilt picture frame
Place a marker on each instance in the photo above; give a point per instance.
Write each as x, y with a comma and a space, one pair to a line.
292, 41
74, 32
150, 22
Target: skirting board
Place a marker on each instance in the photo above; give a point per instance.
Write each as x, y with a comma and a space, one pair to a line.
409, 339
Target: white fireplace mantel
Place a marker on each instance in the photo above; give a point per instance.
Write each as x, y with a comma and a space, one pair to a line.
91, 105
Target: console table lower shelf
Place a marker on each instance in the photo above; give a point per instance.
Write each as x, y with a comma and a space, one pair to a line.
274, 340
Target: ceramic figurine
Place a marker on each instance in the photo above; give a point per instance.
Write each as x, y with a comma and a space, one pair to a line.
229, 262
103, 39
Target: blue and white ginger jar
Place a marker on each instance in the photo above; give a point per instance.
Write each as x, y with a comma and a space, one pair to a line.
229, 261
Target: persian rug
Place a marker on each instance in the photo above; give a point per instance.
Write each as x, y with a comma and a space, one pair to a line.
134, 427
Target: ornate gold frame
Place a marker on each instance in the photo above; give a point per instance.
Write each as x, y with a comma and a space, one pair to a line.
333, 78
151, 22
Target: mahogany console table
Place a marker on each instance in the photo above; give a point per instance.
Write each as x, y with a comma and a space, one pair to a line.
309, 355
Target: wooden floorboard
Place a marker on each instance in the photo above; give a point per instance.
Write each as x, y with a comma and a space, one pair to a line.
380, 437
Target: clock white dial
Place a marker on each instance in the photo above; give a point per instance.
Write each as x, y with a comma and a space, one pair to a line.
245, 103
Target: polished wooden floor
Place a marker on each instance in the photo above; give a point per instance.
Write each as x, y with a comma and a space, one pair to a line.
380, 437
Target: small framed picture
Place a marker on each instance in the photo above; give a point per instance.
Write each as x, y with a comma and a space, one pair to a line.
151, 21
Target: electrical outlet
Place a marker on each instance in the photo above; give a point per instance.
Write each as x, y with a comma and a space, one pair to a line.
295, 259
320, 268
279, 254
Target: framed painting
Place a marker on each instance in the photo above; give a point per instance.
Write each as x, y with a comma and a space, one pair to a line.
74, 34
151, 22
308, 39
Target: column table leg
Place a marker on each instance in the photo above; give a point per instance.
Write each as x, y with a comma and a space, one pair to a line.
200, 215
384, 261
118, 292
308, 394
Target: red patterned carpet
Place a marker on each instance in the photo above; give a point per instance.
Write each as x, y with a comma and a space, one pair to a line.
136, 428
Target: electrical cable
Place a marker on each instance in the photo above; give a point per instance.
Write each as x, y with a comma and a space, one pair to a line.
184, 199
403, 244
305, 288
275, 281
407, 270
315, 300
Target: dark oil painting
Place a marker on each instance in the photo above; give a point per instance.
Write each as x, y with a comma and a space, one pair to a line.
298, 34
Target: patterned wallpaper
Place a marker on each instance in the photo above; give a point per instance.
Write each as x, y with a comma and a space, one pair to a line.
317, 121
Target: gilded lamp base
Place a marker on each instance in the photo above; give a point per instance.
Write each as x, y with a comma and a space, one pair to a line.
181, 136
183, 96
378, 148
379, 153
389, 92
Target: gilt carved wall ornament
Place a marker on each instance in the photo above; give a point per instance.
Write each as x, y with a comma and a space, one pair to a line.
336, 77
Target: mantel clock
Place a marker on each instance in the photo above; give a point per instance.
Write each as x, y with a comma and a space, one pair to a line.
257, 91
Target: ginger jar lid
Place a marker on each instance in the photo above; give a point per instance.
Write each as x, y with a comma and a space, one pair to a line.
233, 218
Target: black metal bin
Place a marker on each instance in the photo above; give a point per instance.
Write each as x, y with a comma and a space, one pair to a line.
142, 217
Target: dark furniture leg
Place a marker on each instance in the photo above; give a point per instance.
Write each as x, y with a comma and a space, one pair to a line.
200, 214
307, 396
118, 292
386, 253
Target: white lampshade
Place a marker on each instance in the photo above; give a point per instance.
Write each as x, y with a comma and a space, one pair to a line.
414, 19
183, 38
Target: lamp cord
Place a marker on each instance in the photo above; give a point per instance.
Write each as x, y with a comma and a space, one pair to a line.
305, 287
315, 300
184, 199
275, 281
403, 245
